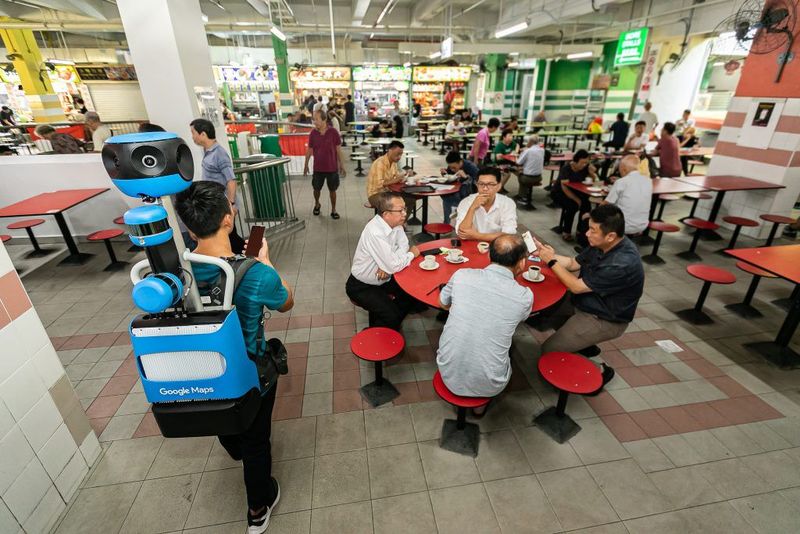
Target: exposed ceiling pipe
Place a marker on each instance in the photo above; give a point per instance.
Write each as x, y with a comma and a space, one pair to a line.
333, 34
468, 9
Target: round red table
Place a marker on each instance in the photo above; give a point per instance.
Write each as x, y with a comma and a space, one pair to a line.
400, 188
418, 282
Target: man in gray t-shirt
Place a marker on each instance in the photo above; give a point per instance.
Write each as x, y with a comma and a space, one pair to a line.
486, 306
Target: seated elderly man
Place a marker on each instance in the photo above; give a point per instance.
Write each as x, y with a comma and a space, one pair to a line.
382, 251
486, 305
485, 215
606, 281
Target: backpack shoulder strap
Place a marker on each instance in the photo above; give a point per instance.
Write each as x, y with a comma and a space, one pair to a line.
240, 268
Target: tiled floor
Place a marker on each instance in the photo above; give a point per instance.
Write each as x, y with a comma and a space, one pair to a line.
704, 439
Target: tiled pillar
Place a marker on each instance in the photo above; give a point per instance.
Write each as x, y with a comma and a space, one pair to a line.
46, 443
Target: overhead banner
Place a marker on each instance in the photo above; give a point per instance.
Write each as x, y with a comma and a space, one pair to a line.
441, 74
389, 73
650, 73
631, 47
315, 74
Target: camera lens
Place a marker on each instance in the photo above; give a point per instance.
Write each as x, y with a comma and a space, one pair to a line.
149, 161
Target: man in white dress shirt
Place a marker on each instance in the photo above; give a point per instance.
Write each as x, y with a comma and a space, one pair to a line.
382, 251
486, 215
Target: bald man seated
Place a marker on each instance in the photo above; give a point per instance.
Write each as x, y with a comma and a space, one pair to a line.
486, 305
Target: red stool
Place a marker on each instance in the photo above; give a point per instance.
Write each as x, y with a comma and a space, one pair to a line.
660, 228
745, 308
377, 344
437, 229
709, 275
28, 224
738, 222
458, 435
568, 373
5, 237
701, 226
662, 200
696, 198
776, 221
106, 236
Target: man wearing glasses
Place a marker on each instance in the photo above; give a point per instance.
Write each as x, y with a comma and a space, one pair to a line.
382, 251
486, 215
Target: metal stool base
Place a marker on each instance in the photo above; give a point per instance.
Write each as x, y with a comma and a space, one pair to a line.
560, 428
464, 441
39, 253
378, 394
694, 316
689, 255
652, 260
744, 310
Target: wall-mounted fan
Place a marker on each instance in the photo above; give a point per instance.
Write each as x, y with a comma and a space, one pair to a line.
763, 27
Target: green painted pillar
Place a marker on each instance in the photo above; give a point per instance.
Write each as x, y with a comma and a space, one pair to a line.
494, 94
284, 96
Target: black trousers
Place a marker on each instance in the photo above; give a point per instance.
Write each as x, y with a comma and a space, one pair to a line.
254, 450
526, 184
387, 304
569, 209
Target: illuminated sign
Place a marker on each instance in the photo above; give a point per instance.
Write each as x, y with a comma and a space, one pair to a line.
320, 73
630, 47
442, 74
447, 48
382, 74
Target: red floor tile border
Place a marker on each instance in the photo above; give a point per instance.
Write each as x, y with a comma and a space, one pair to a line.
299, 322
277, 324
297, 366
344, 362
616, 359
634, 377
729, 386
147, 427
77, 342
119, 385
105, 406
325, 319
704, 368
291, 385
98, 425
623, 427
652, 423
604, 404
344, 331
706, 415
343, 380
678, 418
348, 400
297, 350
657, 373
287, 408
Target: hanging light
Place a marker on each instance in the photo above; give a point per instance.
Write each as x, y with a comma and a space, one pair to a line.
579, 55
511, 29
277, 33
435, 55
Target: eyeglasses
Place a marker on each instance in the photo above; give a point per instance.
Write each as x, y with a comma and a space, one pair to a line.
486, 185
401, 210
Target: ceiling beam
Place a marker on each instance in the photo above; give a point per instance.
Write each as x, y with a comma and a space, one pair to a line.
494, 47
260, 7
88, 8
360, 8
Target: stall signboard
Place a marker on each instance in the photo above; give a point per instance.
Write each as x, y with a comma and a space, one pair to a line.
317, 74
389, 73
225, 73
116, 73
631, 47
441, 74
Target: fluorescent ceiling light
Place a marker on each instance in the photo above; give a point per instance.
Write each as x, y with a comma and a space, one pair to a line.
205, 18
511, 29
60, 61
277, 33
579, 55
435, 55
245, 23
372, 35
386, 9
513, 64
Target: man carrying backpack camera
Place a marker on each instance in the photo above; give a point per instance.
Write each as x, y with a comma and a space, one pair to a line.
206, 212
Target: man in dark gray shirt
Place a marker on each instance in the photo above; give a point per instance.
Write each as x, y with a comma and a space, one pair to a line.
217, 167
486, 305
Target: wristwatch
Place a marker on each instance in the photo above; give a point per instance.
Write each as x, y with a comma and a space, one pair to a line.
552, 262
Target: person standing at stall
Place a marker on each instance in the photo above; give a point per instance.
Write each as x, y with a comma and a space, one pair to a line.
325, 144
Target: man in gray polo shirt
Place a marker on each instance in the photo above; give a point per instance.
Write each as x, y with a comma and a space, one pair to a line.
486, 305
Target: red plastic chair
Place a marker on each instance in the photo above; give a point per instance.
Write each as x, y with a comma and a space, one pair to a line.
106, 236
378, 344
745, 308
701, 226
458, 435
568, 373
709, 275
660, 227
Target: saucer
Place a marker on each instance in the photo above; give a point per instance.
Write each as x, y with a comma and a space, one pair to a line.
463, 259
594, 189
540, 279
422, 266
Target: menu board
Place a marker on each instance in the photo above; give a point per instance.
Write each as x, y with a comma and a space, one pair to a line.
442, 74
311, 74
107, 73
382, 74
630, 47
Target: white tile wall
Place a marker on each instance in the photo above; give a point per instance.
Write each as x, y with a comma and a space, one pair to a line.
5, 262
46, 513
740, 104
41, 422
32, 334
16, 453
70, 478
57, 451
90, 448
792, 107
22, 390
6, 420
729, 134
8, 523
14, 354
48, 365
27, 490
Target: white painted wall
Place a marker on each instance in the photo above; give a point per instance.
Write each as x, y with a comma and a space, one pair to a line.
678, 87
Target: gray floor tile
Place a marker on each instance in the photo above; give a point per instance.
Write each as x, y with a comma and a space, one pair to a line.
293, 438
733, 479
296, 479
444, 468
769, 512
99, 510
391, 425
395, 470
648, 455
576, 499
121, 427
628, 489
684, 487
181, 456
340, 432
220, 498
125, 461
219, 458
340, 479
317, 404
736, 441
319, 383
404, 513
294, 523
595, 443
428, 417
463, 509
520, 505
777, 468
718, 517
353, 517
234, 527
162, 505
134, 403
500, 456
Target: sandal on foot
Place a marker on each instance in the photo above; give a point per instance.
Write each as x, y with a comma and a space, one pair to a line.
335, 215
316, 210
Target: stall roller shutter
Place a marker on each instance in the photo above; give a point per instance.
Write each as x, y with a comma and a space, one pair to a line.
118, 101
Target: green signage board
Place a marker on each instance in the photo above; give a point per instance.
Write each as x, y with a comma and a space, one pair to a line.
630, 47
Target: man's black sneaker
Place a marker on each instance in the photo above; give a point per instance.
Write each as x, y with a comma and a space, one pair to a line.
608, 374
258, 525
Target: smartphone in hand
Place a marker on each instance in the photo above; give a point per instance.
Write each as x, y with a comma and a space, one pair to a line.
254, 241
529, 242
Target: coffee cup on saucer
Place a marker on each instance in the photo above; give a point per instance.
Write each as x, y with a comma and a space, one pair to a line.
588, 181
534, 273
429, 262
455, 255
483, 247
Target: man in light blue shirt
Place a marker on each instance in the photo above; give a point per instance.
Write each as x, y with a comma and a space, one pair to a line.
532, 163
485, 305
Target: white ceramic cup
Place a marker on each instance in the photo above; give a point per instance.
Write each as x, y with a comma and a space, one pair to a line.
534, 272
483, 247
455, 254
429, 261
